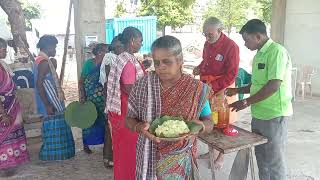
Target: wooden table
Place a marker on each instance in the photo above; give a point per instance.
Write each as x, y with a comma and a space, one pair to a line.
243, 143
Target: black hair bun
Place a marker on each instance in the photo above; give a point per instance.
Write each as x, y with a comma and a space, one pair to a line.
120, 37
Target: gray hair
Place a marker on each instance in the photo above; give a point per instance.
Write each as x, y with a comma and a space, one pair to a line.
169, 42
213, 21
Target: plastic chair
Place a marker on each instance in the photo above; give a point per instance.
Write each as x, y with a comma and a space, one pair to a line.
305, 76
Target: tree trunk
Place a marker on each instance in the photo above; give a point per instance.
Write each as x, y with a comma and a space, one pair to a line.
66, 40
229, 31
18, 27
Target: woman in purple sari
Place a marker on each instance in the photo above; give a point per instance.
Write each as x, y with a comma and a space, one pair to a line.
13, 146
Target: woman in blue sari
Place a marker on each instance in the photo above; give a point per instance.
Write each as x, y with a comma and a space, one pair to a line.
92, 90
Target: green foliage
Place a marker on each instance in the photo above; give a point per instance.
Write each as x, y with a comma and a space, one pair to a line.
30, 11
169, 12
120, 10
233, 13
187, 3
266, 10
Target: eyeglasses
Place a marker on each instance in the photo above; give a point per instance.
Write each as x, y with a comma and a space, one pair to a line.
207, 34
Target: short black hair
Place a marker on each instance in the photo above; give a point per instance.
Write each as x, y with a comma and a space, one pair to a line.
98, 48
47, 40
113, 43
254, 26
3, 43
129, 33
115, 40
168, 42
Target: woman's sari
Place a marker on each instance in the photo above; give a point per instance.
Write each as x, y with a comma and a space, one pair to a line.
57, 139
167, 160
13, 146
94, 92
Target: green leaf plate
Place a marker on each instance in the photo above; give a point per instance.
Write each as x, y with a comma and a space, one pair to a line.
193, 127
81, 115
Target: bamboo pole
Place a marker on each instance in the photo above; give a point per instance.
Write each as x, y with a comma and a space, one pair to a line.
66, 40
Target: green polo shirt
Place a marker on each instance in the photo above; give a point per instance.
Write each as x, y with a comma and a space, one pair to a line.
271, 62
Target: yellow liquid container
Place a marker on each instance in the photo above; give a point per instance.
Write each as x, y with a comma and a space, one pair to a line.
215, 117
223, 117
220, 111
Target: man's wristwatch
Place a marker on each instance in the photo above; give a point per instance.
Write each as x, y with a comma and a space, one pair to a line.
245, 102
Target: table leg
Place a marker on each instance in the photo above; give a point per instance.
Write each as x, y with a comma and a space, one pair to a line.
253, 174
239, 170
211, 160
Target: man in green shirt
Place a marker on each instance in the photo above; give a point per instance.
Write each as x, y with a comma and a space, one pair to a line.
270, 98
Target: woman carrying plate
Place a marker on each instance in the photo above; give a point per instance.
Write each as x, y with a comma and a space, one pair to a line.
167, 91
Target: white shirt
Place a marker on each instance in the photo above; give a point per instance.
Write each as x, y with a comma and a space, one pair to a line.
108, 59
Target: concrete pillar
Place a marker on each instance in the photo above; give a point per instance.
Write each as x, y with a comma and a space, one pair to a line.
278, 20
89, 20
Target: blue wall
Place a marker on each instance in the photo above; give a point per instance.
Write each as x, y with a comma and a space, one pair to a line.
146, 24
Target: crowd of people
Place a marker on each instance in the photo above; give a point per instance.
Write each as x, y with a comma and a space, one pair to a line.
128, 98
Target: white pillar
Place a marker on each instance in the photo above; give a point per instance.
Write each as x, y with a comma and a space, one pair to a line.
89, 20
278, 20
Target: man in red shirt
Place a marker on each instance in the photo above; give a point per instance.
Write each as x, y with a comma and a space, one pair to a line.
220, 57
220, 64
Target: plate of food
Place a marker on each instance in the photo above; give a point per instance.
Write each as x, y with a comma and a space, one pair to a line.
168, 128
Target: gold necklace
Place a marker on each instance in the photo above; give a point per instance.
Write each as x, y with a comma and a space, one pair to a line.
161, 86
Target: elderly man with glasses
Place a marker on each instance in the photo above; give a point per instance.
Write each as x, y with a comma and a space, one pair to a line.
221, 58
220, 64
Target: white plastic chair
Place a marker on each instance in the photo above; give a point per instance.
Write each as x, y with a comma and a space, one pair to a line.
305, 75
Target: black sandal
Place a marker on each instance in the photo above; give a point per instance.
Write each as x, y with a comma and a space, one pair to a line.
107, 163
